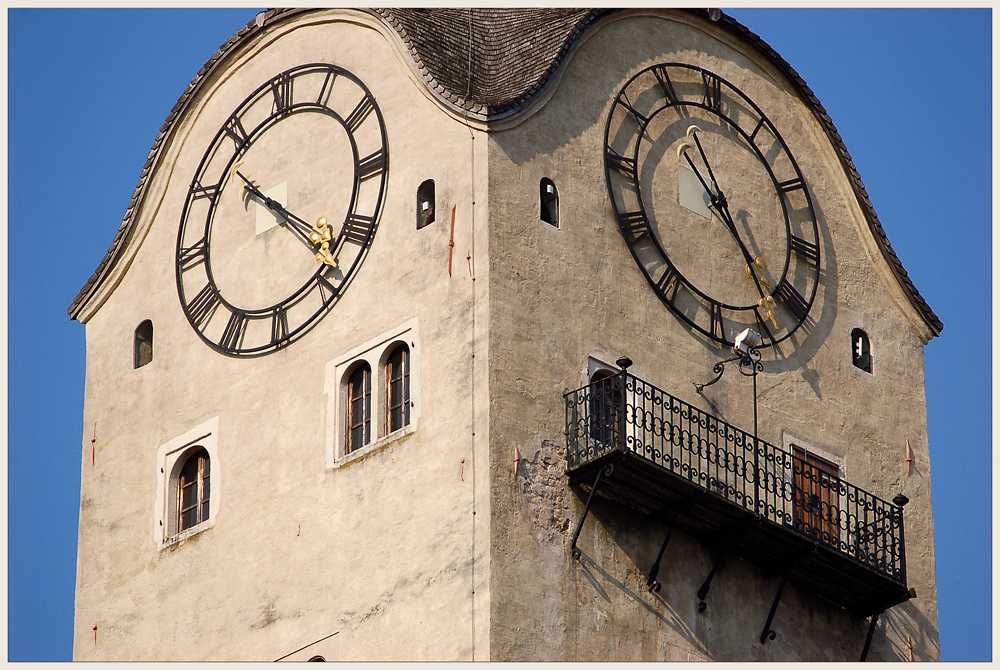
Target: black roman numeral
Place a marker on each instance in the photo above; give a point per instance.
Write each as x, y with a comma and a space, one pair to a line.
199, 191
624, 165
326, 289
640, 119
237, 133
793, 300
360, 113
634, 225
279, 325
791, 185
760, 124
281, 89
805, 250
713, 91
358, 228
324, 93
660, 72
716, 325
203, 307
232, 337
371, 166
669, 283
192, 256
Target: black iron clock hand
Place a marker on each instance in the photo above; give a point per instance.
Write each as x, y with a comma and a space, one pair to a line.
692, 132
299, 228
720, 204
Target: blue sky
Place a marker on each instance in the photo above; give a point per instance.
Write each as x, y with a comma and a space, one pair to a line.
909, 91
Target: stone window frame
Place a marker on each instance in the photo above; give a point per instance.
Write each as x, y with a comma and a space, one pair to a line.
170, 458
375, 353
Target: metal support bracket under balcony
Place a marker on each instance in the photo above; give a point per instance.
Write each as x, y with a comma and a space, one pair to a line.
910, 593
731, 534
681, 507
783, 570
606, 472
868, 639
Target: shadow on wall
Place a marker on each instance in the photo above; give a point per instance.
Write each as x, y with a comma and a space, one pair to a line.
594, 574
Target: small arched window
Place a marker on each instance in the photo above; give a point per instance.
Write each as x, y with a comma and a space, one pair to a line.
549, 198
425, 204
193, 490
359, 407
861, 350
397, 388
143, 347
606, 412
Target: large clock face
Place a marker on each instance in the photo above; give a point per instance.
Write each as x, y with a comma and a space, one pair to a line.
282, 209
712, 204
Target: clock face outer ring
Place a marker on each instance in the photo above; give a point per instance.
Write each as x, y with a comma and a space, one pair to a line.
311, 301
801, 253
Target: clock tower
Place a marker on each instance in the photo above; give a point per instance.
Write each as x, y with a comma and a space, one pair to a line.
413, 345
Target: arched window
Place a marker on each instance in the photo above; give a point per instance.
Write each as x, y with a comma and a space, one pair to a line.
143, 348
606, 412
861, 350
193, 490
549, 197
359, 407
397, 388
425, 204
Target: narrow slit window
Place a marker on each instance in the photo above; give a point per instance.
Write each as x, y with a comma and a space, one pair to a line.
425, 204
143, 348
397, 382
549, 198
359, 408
861, 350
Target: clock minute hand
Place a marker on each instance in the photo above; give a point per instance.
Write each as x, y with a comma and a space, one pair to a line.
692, 132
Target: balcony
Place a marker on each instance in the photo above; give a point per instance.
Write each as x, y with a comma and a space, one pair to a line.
640, 446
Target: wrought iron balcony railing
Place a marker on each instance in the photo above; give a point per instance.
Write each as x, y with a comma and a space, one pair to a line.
693, 453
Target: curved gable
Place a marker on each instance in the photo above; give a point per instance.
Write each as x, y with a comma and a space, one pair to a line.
490, 64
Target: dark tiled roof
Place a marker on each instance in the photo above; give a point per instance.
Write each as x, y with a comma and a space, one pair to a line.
511, 54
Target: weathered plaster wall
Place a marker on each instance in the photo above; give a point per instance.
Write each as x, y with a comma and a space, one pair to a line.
559, 296
384, 551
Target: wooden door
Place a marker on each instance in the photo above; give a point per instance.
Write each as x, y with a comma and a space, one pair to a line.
817, 497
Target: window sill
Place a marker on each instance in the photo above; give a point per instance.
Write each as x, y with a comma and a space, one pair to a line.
177, 539
377, 445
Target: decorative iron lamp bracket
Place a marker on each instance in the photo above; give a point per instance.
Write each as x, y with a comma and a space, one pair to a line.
749, 366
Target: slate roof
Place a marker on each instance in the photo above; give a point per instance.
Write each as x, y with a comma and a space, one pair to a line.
511, 55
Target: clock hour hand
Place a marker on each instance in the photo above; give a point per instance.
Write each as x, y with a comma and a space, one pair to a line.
312, 236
